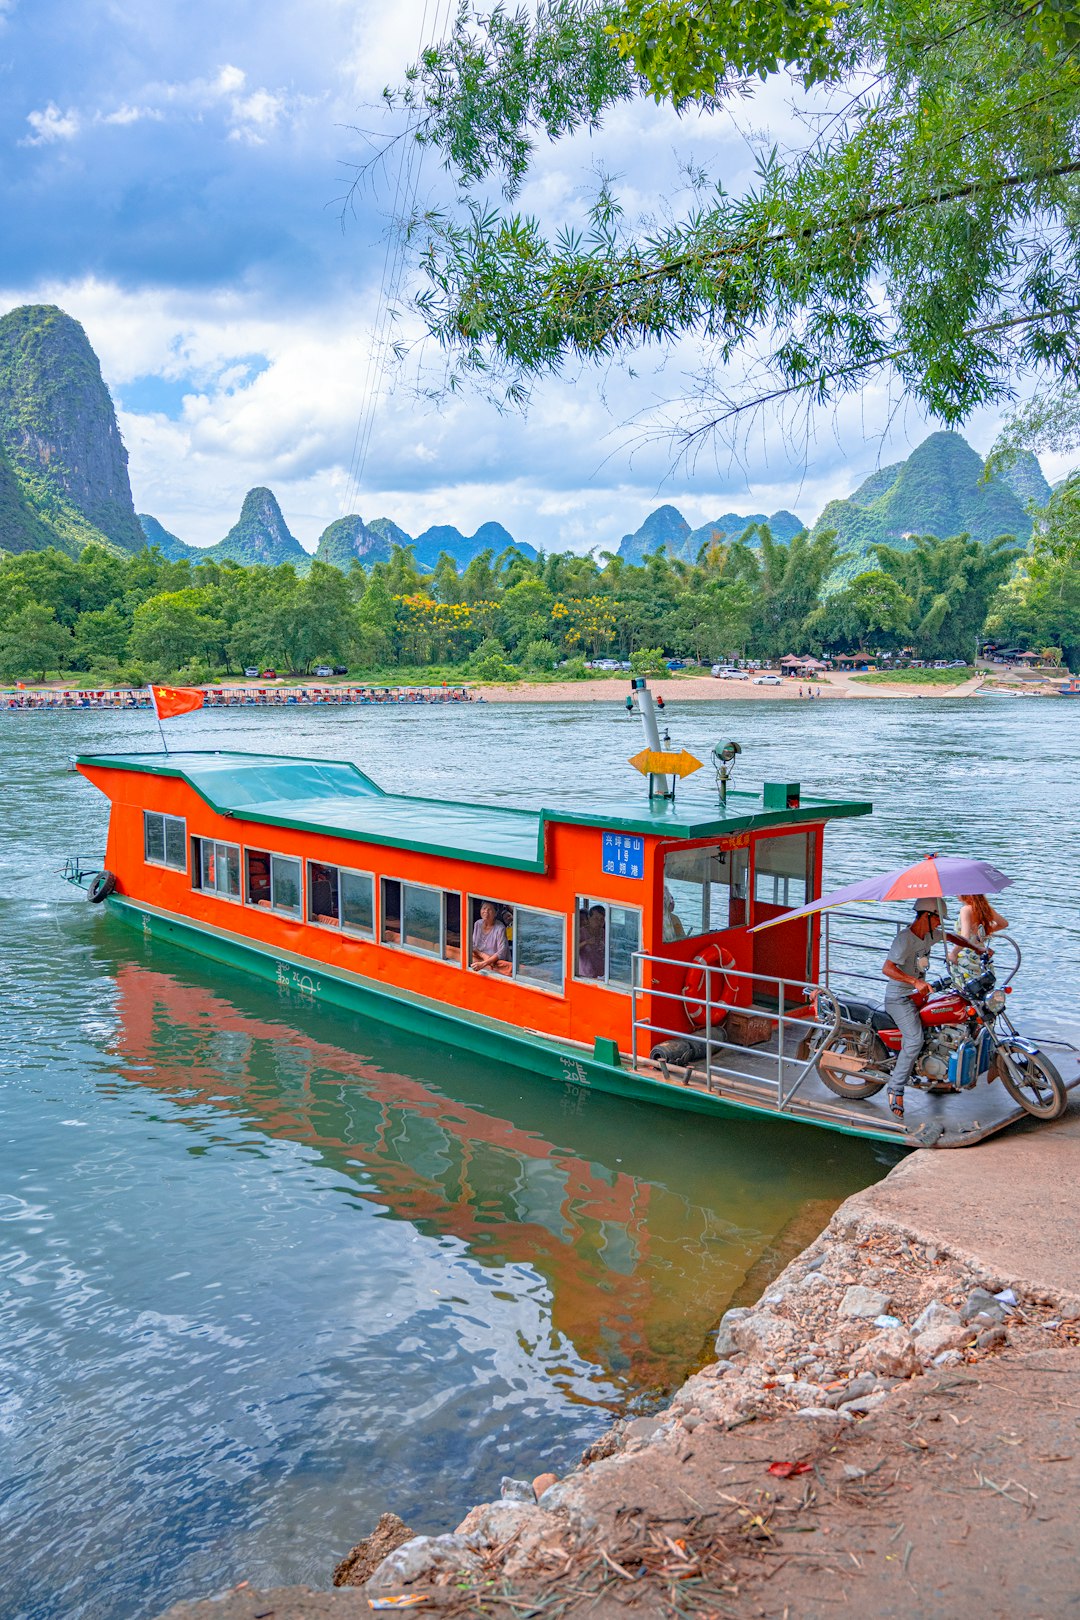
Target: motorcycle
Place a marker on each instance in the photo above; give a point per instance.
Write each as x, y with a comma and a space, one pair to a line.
967, 1037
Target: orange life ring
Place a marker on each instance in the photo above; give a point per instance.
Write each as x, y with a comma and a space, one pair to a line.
694, 985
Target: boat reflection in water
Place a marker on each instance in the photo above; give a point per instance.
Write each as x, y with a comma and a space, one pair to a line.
642, 1225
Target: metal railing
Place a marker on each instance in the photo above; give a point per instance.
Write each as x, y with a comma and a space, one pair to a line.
873, 934
794, 1011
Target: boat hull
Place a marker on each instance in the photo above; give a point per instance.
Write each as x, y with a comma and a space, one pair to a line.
544, 1058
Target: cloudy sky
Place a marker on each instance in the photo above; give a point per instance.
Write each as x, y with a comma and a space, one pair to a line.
173, 174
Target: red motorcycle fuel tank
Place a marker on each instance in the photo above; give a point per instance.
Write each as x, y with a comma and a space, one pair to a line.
944, 1008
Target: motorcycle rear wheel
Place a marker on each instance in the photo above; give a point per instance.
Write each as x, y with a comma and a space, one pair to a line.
1032, 1080
839, 1082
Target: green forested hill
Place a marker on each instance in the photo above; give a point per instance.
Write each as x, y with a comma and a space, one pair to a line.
66, 482
938, 490
170, 545
260, 535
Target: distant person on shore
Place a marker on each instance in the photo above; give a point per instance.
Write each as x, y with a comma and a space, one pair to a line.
490, 947
978, 922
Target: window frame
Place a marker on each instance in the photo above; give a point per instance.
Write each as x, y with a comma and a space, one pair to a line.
706, 847
272, 855
164, 817
401, 944
514, 977
607, 982
219, 894
343, 927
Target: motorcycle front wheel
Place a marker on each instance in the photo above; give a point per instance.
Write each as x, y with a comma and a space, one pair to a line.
1032, 1080
841, 1082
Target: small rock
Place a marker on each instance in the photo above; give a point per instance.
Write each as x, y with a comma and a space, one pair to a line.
800, 1362
948, 1358
890, 1353
887, 1321
762, 1334
725, 1366
981, 1303
814, 1280
931, 1254
821, 1412
863, 1303
544, 1482
357, 1566
641, 1429
992, 1338
804, 1394
516, 1490
816, 1263
862, 1404
851, 1472
944, 1337
935, 1315
725, 1341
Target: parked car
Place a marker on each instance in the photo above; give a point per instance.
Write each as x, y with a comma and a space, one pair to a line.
251, 674
725, 672
768, 680
322, 670
269, 674
676, 663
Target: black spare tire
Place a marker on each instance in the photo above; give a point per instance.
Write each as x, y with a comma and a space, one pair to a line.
102, 885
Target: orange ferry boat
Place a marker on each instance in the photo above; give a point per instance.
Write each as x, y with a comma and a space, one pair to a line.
583, 945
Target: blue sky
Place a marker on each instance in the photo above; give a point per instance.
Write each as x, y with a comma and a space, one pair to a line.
171, 174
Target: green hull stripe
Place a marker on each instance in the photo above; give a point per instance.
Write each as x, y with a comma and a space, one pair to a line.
486, 1037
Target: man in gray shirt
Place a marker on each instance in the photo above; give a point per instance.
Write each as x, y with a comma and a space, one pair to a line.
905, 968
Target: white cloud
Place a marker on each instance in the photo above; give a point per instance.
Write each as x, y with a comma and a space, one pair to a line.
50, 124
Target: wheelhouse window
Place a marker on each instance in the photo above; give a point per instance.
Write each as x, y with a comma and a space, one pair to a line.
605, 939
215, 868
517, 942
705, 891
783, 870
340, 898
274, 882
165, 840
421, 919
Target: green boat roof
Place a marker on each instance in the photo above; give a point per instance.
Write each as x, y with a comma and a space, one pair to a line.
334, 797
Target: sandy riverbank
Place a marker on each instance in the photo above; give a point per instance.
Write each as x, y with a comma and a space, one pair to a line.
698, 687
881, 1435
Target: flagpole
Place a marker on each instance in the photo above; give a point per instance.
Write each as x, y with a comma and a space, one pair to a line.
157, 717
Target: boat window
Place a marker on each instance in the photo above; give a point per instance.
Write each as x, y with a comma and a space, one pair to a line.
517, 942
782, 870
323, 893
215, 867
165, 840
273, 881
704, 891
606, 938
421, 919
357, 892
539, 947
285, 884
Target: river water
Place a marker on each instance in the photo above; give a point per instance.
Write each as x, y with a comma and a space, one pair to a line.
267, 1270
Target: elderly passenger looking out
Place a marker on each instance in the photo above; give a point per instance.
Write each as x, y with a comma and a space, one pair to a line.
490, 947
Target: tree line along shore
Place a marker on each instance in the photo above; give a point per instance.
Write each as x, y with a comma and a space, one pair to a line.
103, 619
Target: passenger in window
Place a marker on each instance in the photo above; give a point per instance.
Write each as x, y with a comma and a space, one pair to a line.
592, 942
258, 880
673, 928
490, 948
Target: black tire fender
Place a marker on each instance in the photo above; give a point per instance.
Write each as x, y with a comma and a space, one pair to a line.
102, 885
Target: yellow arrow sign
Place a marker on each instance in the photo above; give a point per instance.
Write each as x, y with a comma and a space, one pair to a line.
654, 764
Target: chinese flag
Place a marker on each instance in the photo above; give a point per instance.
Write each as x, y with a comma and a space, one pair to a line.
169, 701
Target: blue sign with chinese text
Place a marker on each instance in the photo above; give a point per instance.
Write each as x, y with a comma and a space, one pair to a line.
624, 856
